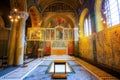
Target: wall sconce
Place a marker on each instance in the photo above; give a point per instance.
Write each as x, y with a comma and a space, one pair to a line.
14, 15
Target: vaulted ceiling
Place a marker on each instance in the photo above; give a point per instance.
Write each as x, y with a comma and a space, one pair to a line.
69, 9
41, 5
75, 4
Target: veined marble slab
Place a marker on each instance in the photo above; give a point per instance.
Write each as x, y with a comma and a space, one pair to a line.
21, 73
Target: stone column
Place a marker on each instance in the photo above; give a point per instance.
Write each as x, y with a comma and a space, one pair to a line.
12, 44
20, 39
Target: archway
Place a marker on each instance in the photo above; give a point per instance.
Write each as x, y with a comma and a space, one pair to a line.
35, 17
81, 22
59, 35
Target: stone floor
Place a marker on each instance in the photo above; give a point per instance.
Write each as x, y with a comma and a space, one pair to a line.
100, 74
37, 70
79, 72
7, 70
20, 73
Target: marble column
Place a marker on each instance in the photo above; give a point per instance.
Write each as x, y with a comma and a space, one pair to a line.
12, 44
20, 40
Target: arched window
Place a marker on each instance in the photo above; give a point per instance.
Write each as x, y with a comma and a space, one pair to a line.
87, 26
112, 12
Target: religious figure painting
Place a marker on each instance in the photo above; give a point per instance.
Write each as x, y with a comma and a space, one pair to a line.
59, 33
48, 34
70, 34
52, 34
65, 34
35, 34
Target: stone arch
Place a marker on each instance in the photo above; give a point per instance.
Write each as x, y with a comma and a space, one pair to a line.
57, 2
35, 17
81, 21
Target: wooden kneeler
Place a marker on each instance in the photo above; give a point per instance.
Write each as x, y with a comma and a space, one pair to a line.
59, 76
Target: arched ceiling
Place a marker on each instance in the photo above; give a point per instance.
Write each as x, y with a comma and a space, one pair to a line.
65, 7
75, 4
35, 16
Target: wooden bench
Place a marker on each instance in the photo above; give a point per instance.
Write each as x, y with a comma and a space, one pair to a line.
59, 76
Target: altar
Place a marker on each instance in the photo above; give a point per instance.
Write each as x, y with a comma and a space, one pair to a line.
53, 41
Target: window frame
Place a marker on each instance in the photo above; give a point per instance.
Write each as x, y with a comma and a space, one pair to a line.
110, 13
87, 26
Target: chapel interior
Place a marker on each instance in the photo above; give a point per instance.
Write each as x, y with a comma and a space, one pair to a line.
59, 39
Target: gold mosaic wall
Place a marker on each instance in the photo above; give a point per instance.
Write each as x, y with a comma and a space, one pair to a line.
85, 48
107, 47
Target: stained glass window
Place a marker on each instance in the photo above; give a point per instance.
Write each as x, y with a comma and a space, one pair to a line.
112, 9
87, 26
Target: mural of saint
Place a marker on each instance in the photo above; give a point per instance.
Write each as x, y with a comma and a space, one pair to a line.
70, 34
52, 34
59, 33
48, 34
65, 34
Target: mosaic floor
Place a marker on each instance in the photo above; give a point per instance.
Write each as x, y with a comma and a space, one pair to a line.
37, 70
40, 73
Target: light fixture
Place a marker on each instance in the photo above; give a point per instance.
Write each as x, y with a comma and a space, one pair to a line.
14, 15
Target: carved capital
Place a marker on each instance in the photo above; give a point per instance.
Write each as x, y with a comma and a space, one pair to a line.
23, 14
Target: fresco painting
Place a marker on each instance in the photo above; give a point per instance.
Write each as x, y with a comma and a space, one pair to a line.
107, 46
35, 34
86, 49
115, 33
